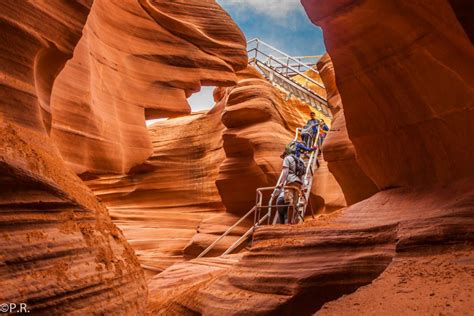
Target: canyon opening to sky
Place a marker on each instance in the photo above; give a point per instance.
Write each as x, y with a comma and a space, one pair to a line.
149, 155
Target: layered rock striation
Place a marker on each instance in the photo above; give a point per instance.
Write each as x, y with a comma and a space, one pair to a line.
160, 203
338, 149
259, 123
408, 110
59, 250
414, 132
78, 80
138, 59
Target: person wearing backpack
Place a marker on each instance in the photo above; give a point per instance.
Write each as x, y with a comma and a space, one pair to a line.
295, 147
309, 131
293, 172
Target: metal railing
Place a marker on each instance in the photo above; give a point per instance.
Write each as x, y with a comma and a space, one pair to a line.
297, 209
290, 73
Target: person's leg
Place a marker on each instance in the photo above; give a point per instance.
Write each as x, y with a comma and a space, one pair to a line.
292, 202
282, 210
305, 139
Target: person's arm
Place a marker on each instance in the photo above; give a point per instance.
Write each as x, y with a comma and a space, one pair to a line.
300, 146
284, 172
284, 175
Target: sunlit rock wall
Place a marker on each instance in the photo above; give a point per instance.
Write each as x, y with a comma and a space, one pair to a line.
138, 59
78, 81
407, 99
160, 203
259, 123
407, 91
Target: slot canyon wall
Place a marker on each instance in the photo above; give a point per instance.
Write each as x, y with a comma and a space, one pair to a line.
143, 61
160, 203
59, 251
403, 74
204, 172
78, 80
339, 152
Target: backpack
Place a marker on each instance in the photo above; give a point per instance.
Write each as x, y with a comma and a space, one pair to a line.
300, 168
289, 149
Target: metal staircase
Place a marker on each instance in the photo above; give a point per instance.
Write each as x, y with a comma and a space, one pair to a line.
290, 74
263, 213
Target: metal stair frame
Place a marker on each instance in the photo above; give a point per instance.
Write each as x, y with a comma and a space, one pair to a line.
278, 73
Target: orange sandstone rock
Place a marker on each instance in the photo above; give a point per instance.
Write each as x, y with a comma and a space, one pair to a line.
160, 203
296, 269
408, 107
59, 250
338, 149
138, 59
259, 123
407, 100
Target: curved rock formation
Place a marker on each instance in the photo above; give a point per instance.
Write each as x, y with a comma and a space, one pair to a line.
419, 127
408, 107
160, 203
36, 40
138, 59
259, 124
295, 270
338, 149
59, 251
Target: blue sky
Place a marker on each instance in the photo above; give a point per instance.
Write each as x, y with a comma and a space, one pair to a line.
281, 23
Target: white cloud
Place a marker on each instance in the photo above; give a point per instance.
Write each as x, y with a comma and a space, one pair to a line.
274, 9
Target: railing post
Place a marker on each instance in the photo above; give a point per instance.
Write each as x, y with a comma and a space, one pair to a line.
256, 48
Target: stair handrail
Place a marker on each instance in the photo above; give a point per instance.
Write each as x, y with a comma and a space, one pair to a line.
299, 86
209, 248
298, 72
309, 175
305, 188
259, 41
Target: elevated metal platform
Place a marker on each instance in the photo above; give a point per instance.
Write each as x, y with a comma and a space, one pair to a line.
290, 74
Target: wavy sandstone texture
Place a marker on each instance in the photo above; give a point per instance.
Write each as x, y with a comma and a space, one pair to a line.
37, 38
338, 149
76, 93
172, 206
160, 203
405, 97
259, 123
138, 59
59, 251
429, 115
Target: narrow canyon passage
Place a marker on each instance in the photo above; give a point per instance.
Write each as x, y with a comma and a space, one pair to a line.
101, 213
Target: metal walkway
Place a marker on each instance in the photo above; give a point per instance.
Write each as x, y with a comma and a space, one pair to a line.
262, 214
290, 74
